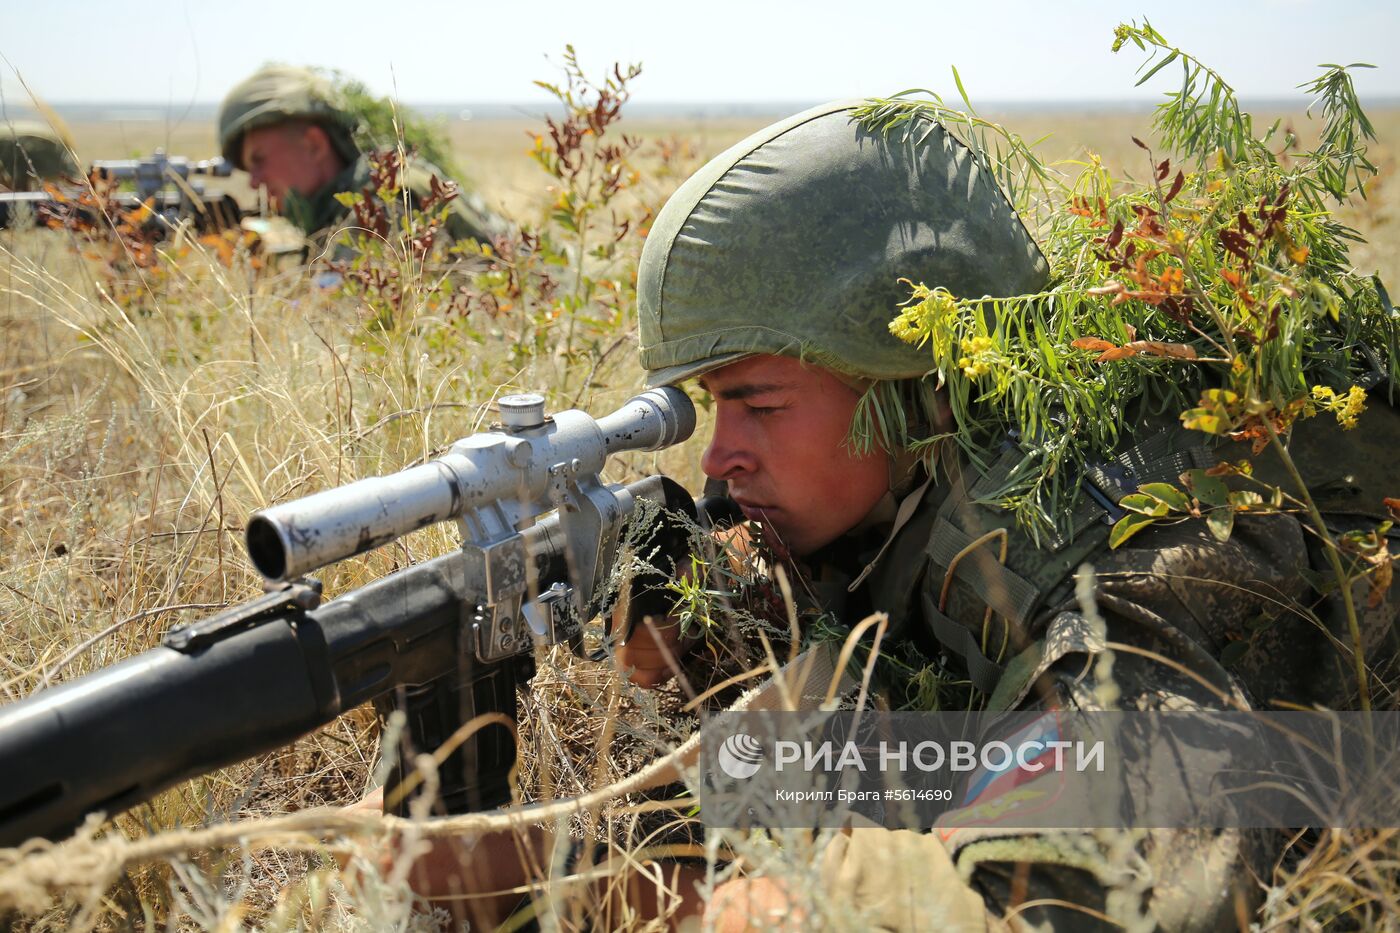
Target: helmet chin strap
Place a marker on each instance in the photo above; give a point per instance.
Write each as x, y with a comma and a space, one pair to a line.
905, 475
908, 485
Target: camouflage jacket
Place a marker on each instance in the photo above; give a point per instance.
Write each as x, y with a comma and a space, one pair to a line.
321, 214
1235, 621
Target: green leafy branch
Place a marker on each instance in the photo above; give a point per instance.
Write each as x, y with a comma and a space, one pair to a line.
384, 123
591, 166
1225, 277
1203, 117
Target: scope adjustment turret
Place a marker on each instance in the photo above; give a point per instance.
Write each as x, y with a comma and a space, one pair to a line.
522, 412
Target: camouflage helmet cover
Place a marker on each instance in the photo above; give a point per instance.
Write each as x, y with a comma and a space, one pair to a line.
793, 242
277, 93
30, 148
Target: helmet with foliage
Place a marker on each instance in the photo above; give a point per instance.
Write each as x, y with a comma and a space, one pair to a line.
795, 240
32, 152
278, 93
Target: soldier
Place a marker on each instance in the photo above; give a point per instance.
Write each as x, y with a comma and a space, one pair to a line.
812, 222
771, 276
285, 127
32, 153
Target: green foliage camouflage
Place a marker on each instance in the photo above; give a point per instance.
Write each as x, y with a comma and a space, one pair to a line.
382, 123
1214, 286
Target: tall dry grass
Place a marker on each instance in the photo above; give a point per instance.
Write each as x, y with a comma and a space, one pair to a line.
145, 414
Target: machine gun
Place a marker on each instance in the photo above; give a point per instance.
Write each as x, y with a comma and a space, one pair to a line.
447, 640
172, 185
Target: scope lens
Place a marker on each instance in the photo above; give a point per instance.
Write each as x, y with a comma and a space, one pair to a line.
265, 548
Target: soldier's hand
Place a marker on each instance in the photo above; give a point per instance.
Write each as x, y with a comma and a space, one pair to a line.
752, 904
653, 651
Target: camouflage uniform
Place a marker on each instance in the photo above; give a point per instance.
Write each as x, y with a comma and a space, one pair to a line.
467, 216
279, 93
813, 221
32, 153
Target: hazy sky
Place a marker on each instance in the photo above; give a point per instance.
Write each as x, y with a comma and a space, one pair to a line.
178, 51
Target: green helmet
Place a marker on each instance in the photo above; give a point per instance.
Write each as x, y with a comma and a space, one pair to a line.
793, 242
32, 151
277, 93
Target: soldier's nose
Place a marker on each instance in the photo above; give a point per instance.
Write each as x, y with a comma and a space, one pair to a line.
726, 456
713, 461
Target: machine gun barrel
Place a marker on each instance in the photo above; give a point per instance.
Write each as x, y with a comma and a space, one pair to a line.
524, 462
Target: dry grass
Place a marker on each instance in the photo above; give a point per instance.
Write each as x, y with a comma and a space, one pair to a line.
138, 429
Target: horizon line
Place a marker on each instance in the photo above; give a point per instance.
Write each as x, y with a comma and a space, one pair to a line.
1119, 102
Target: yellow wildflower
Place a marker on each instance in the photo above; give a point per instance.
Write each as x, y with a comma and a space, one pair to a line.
909, 326
1352, 407
925, 308
972, 369
979, 355
1173, 280
1347, 408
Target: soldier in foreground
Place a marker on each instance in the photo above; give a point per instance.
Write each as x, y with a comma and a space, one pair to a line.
770, 277
285, 126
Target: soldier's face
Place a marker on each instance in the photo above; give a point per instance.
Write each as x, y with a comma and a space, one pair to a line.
288, 157
779, 441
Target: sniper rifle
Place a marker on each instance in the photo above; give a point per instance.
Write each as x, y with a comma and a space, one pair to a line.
447, 641
171, 185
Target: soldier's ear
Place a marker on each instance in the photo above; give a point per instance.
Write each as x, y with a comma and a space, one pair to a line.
318, 144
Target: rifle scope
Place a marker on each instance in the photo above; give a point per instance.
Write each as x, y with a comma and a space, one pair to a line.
151, 173
523, 461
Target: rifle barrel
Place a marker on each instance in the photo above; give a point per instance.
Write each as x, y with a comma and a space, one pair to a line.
118, 736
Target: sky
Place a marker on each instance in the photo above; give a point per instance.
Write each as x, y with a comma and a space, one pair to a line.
177, 52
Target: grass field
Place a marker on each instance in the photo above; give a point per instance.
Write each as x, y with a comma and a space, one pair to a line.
145, 413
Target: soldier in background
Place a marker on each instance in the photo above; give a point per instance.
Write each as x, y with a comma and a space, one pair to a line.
285, 126
32, 153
